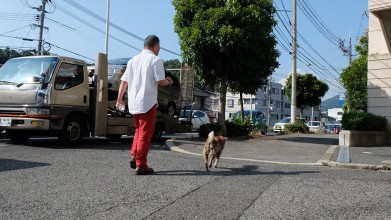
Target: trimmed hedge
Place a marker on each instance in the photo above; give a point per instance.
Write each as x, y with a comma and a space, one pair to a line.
298, 127
363, 121
233, 129
205, 129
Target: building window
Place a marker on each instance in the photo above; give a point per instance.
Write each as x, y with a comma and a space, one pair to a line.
230, 103
264, 102
339, 113
287, 105
250, 101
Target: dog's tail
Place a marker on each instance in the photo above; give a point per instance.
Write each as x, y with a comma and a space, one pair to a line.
211, 136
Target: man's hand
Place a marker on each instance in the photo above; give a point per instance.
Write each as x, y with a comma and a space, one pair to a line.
170, 82
120, 104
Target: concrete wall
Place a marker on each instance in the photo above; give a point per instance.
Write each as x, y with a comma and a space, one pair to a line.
379, 60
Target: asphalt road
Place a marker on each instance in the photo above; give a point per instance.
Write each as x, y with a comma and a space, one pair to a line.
44, 180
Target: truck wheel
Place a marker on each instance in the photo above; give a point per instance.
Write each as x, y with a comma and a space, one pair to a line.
171, 109
18, 137
72, 131
158, 132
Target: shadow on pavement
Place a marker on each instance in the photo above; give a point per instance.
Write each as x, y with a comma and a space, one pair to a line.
9, 164
247, 170
123, 143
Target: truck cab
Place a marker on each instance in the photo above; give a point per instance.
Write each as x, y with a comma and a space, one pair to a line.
44, 94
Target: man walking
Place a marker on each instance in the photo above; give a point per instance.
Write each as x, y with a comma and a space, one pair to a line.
144, 72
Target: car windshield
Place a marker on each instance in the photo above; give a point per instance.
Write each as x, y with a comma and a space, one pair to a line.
285, 120
27, 70
315, 123
256, 114
184, 114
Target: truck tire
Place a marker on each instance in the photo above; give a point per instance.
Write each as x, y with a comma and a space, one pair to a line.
158, 132
72, 131
18, 137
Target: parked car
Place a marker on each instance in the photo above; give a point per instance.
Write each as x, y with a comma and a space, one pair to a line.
258, 119
333, 128
169, 97
316, 127
280, 126
193, 118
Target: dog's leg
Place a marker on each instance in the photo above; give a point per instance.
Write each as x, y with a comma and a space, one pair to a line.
217, 158
206, 154
212, 158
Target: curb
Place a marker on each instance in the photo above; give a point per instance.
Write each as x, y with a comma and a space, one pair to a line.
324, 161
169, 144
358, 166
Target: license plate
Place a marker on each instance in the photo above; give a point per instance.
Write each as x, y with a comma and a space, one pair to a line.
5, 122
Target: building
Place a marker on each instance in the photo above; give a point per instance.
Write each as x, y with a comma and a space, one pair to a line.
379, 59
278, 108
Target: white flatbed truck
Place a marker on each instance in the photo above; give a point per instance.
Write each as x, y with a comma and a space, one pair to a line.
53, 96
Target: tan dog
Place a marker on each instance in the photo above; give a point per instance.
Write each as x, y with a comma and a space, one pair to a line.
213, 148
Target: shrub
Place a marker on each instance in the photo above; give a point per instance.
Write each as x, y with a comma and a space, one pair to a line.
363, 121
298, 127
205, 129
238, 128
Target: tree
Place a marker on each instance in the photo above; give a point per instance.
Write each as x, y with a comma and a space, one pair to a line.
173, 64
309, 91
7, 53
228, 43
354, 78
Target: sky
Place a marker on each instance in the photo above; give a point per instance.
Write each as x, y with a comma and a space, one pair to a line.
81, 34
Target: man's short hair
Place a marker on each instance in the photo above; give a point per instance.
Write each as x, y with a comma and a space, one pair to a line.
151, 41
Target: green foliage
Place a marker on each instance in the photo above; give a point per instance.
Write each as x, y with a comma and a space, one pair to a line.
309, 90
363, 121
205, 129
7, 53
298, 127
236, 128
354, 80
228, 43
173, 64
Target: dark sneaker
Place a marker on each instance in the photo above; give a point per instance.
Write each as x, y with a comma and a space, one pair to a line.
144, 171
132, 163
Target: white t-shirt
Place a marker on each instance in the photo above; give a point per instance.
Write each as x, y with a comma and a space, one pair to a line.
142, 74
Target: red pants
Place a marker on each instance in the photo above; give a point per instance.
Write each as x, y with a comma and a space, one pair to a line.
145, 125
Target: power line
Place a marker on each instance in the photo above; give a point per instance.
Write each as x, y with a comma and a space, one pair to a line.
96, 16
92, 26
53, 45
311, 60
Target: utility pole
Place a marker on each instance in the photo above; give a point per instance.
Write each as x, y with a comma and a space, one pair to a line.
294, 47
269, 108
347, 51
41, 26
107, 28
